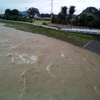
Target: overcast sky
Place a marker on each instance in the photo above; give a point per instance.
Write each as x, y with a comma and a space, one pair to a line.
44, 6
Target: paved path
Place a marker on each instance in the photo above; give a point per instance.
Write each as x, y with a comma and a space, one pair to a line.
93, 46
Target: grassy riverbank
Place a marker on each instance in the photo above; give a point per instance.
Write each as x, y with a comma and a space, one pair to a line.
73, 38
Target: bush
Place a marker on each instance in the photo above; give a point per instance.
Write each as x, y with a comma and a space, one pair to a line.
0, 17
30, 20
44, 23
54, 19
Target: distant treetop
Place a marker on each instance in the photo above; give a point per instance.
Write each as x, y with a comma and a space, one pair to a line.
11, 12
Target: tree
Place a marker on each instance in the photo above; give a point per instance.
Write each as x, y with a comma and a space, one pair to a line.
64, 10
15, 12
62, 15
89, 20
71, 10
45, 15
32, 11
91, 9
61, 18
54, 19
8, 11
82, 19
97, 15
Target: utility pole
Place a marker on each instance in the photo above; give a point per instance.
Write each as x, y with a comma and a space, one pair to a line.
26, 13
1, 13
51, 8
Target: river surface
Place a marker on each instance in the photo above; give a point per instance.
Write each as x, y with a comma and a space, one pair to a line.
36, 67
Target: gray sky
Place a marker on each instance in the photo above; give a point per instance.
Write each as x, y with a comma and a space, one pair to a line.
44, 6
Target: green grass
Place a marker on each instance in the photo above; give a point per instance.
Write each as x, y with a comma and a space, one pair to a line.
73, 38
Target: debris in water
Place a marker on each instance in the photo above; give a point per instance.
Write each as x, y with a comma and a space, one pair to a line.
63, 55
12, 57
48, 69
95, 88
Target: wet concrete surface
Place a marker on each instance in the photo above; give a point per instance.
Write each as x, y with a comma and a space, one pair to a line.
93, 46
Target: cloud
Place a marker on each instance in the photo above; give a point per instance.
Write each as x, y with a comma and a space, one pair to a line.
79, 1
44, 6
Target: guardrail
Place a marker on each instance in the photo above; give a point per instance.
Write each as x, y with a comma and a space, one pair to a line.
84, 31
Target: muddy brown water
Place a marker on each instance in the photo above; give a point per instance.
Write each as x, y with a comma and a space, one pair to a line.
36, 67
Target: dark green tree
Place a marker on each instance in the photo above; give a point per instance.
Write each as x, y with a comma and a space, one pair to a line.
8, 11
91, 9
64, 10
32, 11
71, 10
61, 18
90, 20
54, 19
14, 12
82, 19
62, 15
97, 15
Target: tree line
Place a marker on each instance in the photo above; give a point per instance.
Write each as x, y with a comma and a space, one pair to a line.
90, 17
14, 15
64, 16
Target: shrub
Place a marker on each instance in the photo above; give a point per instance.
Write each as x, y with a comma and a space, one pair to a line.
44, 23
30, 20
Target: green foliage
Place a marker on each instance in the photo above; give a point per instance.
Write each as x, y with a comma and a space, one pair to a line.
11, 12
91, 9
30, 20
14, 12
90, 21
14, 15
86, 20
97, 15
8, 11
32, 11
64, 10
63, 17
54, 19
71, 10
44, 23
82, 19
90, 17
74, 22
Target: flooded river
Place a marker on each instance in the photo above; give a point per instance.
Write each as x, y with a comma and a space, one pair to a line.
36, 67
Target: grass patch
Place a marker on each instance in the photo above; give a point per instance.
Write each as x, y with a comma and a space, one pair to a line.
73, 38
